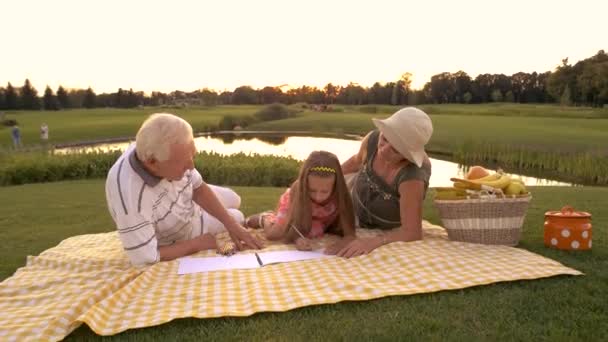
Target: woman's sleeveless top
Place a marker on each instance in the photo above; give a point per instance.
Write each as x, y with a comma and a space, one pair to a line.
376, 203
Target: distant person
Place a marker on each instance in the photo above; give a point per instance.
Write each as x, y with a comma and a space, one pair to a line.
162, 208
391, 177
16, 135
44, 133
316, 203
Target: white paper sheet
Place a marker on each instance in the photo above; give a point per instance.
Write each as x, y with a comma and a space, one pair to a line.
289, 256
243, 261
234, 262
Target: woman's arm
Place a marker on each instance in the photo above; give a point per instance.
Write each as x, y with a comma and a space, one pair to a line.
410, 203
354, 163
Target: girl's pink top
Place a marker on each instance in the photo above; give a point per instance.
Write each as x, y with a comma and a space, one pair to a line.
322, 215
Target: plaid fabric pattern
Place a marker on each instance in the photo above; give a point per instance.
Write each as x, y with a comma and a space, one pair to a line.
89, 279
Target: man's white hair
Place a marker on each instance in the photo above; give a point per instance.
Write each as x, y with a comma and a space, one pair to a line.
158, 133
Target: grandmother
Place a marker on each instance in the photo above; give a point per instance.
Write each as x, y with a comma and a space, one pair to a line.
391, 177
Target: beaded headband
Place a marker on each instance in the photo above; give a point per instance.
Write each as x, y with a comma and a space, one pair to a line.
323, 169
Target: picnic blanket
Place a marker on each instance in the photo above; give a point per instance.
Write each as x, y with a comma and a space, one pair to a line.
88, 279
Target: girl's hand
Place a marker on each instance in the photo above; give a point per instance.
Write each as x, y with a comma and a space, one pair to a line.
275, 231
334, 248
359, 247
303, 244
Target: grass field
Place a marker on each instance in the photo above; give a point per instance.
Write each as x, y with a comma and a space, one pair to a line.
36, 217
545, 126
76, 125
565, 143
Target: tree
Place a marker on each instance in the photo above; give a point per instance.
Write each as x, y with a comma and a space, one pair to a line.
89, 98
352, 94
462, 83
566, 98
29, 96
62, 98
441, 89
76, 97
496, 95
244, 95
208, 97
331, 92
49, 99
401, 89
560, 79
10, 97
225, 97
271, 95
2, 98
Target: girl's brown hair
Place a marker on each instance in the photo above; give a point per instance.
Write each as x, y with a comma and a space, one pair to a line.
322, 164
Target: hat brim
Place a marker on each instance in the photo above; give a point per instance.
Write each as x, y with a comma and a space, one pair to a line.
393, 137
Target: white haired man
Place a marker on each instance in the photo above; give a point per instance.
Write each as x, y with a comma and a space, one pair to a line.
161, 206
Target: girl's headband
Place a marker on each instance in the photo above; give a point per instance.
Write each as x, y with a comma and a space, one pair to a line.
323, 169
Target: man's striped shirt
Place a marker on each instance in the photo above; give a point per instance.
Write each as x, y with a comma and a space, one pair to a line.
149, 211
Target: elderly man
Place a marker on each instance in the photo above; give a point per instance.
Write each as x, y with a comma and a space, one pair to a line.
161, 206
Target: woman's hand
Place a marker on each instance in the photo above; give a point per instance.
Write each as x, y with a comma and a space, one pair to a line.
334, 248
303, 244
360, 246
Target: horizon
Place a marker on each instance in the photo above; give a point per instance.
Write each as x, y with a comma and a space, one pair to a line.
190, 45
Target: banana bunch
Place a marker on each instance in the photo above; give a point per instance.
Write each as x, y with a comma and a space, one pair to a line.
450, 193
497, 182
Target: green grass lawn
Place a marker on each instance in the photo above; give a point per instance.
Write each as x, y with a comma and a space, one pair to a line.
548, 127
544, 133
36, 217
77, 125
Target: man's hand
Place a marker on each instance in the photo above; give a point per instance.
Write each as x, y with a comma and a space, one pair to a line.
359, 247
242, 239
206, 241
303, 244
334, 248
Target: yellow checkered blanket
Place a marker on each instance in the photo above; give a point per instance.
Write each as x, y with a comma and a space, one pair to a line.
88, 279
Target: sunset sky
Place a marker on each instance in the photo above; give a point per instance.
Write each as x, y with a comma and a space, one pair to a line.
189, 45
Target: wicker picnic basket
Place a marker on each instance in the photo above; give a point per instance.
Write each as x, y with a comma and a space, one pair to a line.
492, 221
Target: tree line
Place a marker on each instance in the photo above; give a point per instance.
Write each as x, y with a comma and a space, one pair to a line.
582, 84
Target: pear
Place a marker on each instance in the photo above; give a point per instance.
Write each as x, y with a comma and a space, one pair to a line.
515, 188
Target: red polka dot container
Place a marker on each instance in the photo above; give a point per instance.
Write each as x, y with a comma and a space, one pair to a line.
568, 229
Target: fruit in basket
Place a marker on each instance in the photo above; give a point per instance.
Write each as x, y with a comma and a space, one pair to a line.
500, 182
445, 193
476, 172
515, 188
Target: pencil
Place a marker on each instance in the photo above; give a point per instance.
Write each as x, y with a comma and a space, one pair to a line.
297, 231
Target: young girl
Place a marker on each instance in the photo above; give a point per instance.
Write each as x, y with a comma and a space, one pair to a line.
317, 202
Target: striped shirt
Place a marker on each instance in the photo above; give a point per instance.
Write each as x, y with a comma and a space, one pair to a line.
149, 211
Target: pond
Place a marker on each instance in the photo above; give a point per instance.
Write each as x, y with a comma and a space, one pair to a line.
298, 147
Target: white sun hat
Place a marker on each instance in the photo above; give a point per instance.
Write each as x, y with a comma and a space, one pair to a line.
408, 130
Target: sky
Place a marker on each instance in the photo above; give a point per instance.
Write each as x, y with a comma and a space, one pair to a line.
187, 45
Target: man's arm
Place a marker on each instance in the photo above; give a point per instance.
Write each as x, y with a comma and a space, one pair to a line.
187, 247
206, 199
